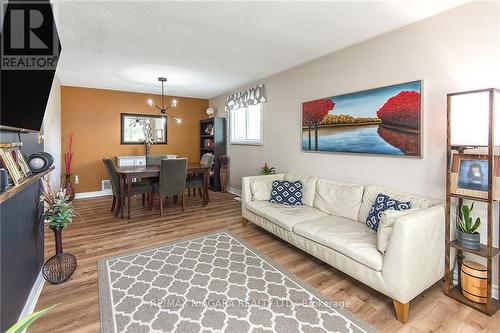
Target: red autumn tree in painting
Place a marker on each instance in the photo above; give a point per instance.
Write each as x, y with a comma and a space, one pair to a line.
402, 110
313, 113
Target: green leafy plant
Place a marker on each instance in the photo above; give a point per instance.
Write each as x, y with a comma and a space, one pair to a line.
58, 207
26, 321
465, 222
267, 170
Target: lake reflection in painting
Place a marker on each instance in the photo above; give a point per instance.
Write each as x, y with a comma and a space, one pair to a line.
352, 139
379, 121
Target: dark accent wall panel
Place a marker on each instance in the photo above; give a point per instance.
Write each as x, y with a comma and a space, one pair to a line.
21, 241
21, 233
29, 140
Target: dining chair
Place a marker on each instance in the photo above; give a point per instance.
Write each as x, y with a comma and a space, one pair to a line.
172, 181
137, 187
155, 159
196, 181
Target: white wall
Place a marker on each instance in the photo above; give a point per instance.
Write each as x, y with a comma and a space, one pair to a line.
52, 131
453, 51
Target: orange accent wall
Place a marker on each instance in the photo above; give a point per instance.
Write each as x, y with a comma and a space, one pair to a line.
93, 116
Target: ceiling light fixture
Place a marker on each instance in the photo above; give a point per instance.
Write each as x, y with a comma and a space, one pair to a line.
163, 109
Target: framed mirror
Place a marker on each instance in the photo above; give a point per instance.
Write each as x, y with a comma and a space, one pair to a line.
137, 128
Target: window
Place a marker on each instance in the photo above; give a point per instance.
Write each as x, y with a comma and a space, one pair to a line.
245, 115
245, 125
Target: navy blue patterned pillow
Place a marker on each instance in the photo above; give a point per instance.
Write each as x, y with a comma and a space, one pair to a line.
382, 203
286, 193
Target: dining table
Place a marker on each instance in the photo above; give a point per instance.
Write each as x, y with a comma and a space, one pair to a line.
127, 173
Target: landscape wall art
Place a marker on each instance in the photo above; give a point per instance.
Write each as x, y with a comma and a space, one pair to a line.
385, 121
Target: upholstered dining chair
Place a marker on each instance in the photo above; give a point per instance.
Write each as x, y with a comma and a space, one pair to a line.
172, 181
196, 181
137, 187
155, 159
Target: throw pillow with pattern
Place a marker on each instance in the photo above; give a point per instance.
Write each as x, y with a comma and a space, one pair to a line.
382, 203
286, 192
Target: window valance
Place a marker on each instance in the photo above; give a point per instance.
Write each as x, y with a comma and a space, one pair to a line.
244, 98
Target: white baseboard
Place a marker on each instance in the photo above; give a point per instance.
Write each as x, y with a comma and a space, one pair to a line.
36, 290
84, 195
234, 191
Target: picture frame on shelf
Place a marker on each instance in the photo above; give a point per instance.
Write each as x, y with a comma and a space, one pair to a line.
469, 176
11, 164
21, 161
15, 149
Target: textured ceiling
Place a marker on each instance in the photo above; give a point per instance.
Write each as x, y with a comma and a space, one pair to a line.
208, 48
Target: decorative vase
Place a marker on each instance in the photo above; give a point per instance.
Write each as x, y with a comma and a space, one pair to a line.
469, 241
223, 173
148, 148
59, 268
69, 187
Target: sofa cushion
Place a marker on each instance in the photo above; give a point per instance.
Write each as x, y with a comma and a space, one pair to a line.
286, 192
337, 198
371, 193
261, 186
382, 203
284, 216
309, 188
355, 240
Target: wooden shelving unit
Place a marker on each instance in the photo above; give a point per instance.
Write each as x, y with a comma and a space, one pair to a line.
456, 294
215, 144
483, 252
454, 201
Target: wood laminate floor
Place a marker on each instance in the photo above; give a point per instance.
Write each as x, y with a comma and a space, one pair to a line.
97, 234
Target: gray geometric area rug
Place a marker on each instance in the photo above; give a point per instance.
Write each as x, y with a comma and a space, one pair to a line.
212, 283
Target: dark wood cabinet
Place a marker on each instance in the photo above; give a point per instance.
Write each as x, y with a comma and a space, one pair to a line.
213, 141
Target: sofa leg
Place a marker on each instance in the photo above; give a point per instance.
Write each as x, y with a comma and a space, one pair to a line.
402, 311
244, 222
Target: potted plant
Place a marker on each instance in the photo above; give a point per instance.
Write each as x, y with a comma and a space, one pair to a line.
467, 234
58, 213
267, 170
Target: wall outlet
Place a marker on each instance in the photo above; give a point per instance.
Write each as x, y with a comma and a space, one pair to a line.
77, 179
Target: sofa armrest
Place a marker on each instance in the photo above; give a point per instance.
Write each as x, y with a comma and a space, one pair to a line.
246, 189
415, 255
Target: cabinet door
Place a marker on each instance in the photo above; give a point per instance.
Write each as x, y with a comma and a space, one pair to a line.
125, 162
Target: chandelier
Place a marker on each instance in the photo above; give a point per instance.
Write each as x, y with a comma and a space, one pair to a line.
164, 109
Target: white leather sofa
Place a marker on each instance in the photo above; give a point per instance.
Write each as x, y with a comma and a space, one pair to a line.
331, 226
